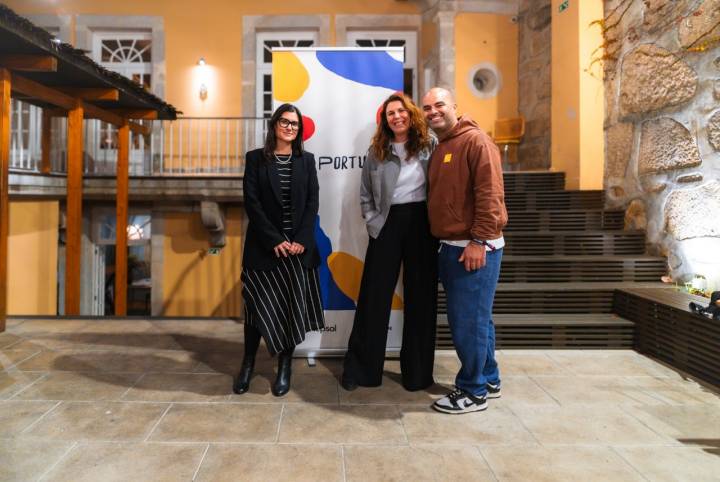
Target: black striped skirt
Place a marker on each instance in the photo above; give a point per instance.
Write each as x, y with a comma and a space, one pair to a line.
283, 303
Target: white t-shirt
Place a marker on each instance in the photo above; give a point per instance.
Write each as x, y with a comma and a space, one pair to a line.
410, 185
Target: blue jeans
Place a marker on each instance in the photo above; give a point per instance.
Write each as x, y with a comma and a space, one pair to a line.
470, 297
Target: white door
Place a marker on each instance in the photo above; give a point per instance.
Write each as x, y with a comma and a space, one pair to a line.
128, 54
396, 38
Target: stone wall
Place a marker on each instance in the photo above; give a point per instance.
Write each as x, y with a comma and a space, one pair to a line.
534, 82
662, 127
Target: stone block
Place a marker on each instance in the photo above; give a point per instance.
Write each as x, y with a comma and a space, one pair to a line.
694, 177
693, 213
666, 145
636, 215
653, 78
618, 149
713, 130
701, 26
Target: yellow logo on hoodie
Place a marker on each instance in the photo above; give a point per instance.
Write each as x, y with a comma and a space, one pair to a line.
448, 157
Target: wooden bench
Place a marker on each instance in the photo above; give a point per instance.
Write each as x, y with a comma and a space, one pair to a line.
666, 329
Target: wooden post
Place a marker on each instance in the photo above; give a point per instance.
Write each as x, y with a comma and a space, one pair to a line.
45, 142
121, 241
73, 210
4, 189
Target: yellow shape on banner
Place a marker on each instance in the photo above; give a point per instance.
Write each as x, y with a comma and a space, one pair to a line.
347, 272
290, 77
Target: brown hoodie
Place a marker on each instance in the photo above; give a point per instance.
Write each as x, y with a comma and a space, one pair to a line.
466, 197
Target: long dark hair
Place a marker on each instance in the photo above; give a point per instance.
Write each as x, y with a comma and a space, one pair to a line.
418, 136
271, 139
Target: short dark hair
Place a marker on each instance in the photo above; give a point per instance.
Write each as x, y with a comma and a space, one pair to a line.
271, 140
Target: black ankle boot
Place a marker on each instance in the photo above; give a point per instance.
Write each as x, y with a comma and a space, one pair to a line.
252, 341
282, 382
242, 382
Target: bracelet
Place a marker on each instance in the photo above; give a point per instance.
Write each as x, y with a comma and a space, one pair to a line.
482, 242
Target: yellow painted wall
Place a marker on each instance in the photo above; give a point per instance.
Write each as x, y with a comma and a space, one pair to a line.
211, 29
32, 258
577, 95
195, 283
592, 98
490, 38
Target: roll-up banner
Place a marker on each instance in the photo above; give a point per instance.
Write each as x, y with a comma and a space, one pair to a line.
340, 92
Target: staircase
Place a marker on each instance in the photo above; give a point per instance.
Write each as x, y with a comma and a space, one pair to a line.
565, 256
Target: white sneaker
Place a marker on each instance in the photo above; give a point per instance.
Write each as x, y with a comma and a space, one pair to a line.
460, 401
493, 391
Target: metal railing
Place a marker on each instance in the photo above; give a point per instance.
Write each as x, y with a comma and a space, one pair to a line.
188, 146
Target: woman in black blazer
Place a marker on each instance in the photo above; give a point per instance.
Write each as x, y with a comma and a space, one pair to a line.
280, 260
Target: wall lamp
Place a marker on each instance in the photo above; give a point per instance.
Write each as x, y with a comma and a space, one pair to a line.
203, 87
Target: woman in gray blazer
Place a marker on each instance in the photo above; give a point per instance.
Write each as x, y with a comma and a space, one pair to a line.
393, 203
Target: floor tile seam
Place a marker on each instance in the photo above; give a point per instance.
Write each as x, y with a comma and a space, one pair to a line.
544, 390
137, 380
19, 340
522, 423
478, 449
642, 422
202, 459
47, 412
25, 388
401, 421
280, 419
627, 462
157, 423
344, 466
15, 364
57, 462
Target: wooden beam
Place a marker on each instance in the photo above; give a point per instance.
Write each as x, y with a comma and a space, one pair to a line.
5, 92
42, 93
29, 63
121, 241
66, 102
91, 93
73, 208
146, 114
45, 142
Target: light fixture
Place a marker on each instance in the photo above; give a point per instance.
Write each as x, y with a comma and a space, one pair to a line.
203, 92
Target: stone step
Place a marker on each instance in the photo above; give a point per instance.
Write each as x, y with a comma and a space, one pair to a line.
554, 200
566, 220
539, 269
539, 298
546, 243
604, 330
534, 181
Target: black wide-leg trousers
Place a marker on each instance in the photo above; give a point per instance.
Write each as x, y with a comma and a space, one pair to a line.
405, 238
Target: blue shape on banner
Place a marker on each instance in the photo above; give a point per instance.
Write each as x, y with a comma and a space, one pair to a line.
332, 297
376, 68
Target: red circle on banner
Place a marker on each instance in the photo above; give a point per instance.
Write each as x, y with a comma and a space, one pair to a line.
308, 128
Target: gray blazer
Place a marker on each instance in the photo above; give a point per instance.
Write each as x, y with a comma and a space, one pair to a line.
378, 185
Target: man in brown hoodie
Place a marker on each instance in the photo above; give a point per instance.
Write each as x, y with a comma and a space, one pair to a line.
466, 207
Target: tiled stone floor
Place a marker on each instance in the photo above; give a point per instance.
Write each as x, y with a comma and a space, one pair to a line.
140, 400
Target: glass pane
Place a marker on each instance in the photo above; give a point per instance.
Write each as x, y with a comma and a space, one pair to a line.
267, 102
408, 82
305, 43
364, 43
267, 83
397, 43
145, 49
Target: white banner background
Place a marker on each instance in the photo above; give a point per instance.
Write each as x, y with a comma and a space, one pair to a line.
340, 91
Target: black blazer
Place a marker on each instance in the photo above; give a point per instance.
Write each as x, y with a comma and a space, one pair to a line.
261, 189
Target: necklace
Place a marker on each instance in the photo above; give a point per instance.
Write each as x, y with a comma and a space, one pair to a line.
282, 158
